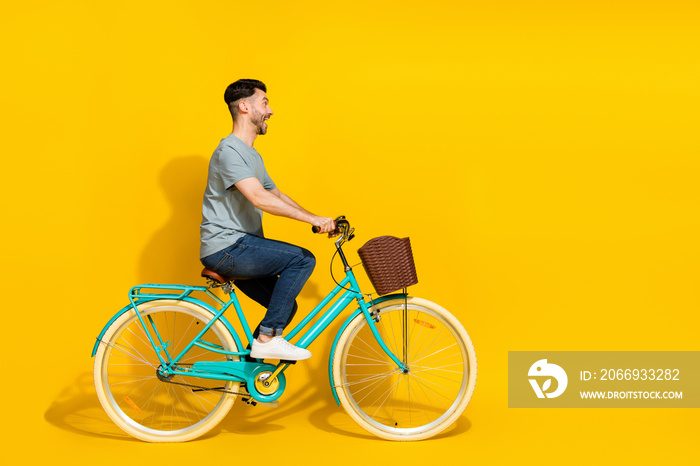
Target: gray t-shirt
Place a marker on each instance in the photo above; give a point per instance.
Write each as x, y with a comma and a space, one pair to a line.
227, 214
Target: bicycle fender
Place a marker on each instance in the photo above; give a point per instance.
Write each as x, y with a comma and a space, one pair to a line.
340, 332
189, 299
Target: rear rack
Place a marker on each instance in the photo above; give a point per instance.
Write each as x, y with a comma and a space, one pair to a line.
144, 293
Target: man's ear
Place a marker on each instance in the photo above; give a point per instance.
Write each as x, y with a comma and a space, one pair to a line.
243, 106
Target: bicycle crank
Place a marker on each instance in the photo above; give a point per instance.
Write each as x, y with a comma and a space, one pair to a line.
266, 385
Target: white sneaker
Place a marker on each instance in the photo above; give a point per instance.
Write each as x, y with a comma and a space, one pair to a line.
278, 348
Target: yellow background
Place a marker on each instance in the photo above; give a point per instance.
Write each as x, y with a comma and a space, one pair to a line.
542, 156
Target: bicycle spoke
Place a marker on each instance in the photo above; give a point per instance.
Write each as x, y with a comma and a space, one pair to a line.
430, 392
134, 390
184, 410
376, 384
431, 345
378, 376
166, 406
196, 397
426, 368
127, 342
131, 375
381, 354
167, 327
405, 400
366, 359
190, 399
156, 390
419, 345
131, 381
420, 379
395, 348
420, 332
196, 394
128, 354
393, 405
420, 386
389, 391
383, 396
370, 364
145, 333
433, 361
357, 348
190, 357
177, 345
145, 343
155, 407
436, 352
125, 364
202, 398
410, 390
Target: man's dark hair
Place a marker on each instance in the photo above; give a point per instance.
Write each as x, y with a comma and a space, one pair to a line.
241, 89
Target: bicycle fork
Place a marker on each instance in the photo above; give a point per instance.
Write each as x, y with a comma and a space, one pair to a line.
404, 330
402, 364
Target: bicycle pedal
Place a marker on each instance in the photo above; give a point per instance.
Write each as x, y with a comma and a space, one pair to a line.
269, 404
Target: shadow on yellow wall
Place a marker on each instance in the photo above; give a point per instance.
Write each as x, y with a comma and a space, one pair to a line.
172, 254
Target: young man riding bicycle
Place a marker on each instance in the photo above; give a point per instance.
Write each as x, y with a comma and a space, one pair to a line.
238, 191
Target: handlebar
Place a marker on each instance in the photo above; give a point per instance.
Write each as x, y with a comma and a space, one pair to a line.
342, 227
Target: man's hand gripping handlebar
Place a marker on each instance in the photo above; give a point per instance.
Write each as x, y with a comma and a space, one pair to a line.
342, 227
324, 225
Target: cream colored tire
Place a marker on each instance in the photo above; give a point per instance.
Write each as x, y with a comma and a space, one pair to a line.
134, 397
405, 406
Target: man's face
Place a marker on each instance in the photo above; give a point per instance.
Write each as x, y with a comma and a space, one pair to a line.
260, 111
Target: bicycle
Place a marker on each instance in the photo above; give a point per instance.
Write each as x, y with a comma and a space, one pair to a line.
169, 366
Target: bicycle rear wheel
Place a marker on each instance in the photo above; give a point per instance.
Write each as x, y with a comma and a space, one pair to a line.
144, 404
421, 402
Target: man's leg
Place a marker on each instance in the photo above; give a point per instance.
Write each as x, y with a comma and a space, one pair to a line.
255, 257
259, 257
260, 290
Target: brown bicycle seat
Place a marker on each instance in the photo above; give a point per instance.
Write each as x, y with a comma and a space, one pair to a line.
208, 273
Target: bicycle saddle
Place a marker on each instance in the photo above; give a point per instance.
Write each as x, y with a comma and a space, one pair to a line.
208, 273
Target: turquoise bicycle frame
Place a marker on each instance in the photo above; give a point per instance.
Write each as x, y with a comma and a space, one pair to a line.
245, 371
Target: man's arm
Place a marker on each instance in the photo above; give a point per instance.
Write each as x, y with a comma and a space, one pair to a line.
276, 203
288, 199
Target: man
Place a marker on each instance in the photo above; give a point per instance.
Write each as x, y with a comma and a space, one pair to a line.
238, 191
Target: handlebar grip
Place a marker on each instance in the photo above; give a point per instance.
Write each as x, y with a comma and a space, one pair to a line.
338, 221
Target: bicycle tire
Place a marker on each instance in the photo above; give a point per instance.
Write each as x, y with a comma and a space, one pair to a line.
438, 385
134, 397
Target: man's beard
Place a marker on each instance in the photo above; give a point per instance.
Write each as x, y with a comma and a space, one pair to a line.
260, 125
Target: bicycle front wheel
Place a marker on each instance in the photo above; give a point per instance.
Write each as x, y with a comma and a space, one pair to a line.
405, 405
145, 404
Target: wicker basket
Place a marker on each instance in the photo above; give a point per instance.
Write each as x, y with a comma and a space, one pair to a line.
388, 262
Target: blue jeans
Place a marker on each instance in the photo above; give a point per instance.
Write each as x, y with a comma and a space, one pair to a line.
274, 273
